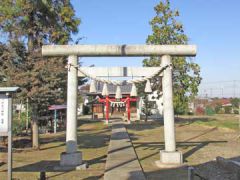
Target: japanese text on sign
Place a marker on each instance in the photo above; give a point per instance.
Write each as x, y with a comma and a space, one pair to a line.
3, 114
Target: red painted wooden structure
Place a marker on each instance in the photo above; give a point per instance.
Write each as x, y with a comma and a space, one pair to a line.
126, 100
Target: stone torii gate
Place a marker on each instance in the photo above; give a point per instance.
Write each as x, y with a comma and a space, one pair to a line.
72, 157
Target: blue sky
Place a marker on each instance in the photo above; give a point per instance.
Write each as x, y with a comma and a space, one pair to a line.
213, 25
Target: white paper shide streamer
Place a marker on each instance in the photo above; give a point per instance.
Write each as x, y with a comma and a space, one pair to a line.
118, 93
105, 90
148, 88
133, 91
93, 87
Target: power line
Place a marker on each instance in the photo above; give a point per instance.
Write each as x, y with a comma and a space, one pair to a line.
215, 82
230, 88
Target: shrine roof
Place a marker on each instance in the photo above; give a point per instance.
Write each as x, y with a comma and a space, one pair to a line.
8, 89
125, 89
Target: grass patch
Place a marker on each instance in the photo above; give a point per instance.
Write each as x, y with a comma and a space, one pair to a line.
93, 140
222, 121
213, 122
198, 143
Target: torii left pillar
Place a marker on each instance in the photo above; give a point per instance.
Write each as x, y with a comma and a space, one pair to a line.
72, 157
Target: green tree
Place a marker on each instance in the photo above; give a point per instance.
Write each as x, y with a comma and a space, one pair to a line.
148, 105
27, 25
235, 102
186, 74
228, 109
218, 108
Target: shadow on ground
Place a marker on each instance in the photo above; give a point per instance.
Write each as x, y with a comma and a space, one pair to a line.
184, 145
189, 143
91, 135
210, 170
141, 125
42, 166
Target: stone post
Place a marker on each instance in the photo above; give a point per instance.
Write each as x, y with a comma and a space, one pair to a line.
169, 130
169, 156
71, 134
71, 157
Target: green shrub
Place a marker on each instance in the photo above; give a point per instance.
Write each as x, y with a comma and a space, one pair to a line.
19, 125
221, 111
86, 110
228, 110
218, 109
236, 111
190, 113
209, 111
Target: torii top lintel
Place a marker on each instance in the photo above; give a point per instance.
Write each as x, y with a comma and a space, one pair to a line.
118, 50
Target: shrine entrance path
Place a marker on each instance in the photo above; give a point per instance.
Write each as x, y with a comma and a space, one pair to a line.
122, 161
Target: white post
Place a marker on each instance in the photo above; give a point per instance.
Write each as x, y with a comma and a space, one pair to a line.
168, 157
239, 121
9, 136
169, 131
55, 121
27, 118
71, 139
71, 157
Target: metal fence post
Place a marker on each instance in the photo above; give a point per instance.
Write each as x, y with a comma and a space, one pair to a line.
42, 175
190, 173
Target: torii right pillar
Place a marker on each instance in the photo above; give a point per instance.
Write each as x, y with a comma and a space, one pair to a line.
168, 157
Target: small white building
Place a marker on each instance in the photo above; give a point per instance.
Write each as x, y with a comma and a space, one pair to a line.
156, 111
19, 107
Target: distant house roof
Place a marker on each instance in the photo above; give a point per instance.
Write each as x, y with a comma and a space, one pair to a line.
226, 102
222, 102
57, 107
214, 102
229, 104
125, 89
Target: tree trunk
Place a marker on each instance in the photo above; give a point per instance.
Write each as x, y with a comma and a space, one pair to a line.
146, 109
30, 43
27, 117
20, 112
146, 115
35, 133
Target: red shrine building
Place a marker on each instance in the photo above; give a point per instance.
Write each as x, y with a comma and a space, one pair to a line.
106, 106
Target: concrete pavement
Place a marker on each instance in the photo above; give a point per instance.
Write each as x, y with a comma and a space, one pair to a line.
122, 162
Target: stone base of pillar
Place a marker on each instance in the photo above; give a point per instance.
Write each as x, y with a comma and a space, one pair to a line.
170, 159
71, 159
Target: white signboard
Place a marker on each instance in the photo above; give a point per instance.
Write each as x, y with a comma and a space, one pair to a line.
4, 104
